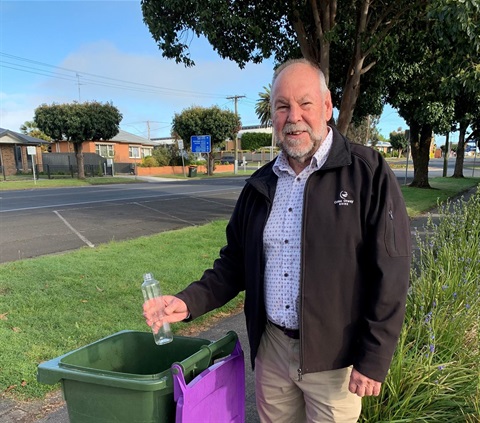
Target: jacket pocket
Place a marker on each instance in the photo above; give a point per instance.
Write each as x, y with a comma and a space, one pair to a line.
397, 229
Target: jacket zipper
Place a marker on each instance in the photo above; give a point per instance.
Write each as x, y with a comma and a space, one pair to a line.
390, 213
302, 264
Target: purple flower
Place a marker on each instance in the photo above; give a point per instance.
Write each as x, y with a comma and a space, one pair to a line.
432, 348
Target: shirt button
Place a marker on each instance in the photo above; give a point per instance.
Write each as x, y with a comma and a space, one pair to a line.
290, 209
286, 241
286, 275
287, 307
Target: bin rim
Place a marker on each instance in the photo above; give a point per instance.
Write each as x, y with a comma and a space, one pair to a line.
55, 370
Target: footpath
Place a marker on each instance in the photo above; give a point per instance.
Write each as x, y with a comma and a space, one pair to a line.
53, 408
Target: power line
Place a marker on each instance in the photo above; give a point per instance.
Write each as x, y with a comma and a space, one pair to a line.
98, 80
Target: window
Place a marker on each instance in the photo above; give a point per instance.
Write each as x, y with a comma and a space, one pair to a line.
134, 152
146, 151
104, 150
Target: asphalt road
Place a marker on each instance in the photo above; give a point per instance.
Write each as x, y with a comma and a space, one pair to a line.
47, 221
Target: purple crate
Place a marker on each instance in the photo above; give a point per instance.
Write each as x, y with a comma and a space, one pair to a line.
215, 395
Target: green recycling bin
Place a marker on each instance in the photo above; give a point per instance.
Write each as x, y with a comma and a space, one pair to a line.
126, 377
192, 171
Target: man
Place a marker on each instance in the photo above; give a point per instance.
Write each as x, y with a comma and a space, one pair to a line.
320, 242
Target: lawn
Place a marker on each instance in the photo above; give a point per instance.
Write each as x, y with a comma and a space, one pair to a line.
23, 183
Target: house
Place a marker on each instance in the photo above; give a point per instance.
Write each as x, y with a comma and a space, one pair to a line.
122, 148
16, 152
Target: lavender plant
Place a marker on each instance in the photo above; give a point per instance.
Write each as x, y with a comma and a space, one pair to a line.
435, 373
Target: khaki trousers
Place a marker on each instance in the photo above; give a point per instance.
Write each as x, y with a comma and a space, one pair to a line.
319, 397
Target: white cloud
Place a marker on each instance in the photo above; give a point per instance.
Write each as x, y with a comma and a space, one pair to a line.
167, 87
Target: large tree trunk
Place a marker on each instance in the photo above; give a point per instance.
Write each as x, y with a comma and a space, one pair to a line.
210, 163
421, 138
446, 154
349, 97
458, 172
79, 156
351, 90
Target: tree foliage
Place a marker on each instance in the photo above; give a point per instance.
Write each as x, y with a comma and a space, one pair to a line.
458, 29
399, 141
219, 124
251, 31
263, 108
30, 128
78, 122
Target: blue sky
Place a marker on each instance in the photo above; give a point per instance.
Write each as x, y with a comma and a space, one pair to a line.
65, 51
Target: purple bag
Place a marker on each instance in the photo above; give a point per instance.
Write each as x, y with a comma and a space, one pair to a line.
215, 395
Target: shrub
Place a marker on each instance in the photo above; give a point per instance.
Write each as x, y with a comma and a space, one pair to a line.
149, 161
434, 376
252, 141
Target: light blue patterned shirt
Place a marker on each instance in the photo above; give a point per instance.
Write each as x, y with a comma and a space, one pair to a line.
282, 238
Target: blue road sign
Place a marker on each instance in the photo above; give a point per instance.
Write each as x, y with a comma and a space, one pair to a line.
201, 143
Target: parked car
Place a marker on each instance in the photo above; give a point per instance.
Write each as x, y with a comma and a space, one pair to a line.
227, 160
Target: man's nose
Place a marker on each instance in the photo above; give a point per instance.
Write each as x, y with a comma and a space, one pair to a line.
294, 113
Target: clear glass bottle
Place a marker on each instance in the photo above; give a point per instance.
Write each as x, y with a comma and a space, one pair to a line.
151, 289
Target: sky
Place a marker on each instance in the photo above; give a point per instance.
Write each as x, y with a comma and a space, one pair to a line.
97, 50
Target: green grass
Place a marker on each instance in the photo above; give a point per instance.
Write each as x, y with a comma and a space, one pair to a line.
53, 304
420, 200
22, 183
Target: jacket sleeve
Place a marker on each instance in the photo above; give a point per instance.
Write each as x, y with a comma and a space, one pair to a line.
388, 271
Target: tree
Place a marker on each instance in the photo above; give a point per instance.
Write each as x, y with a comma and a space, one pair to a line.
399, 141
457, 30
29, 128
78, 122
263, 108
364, 131
219, 124
251, 31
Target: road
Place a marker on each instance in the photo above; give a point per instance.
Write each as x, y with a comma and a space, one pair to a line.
47, 221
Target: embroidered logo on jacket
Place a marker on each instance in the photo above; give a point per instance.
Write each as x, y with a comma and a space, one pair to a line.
343, 201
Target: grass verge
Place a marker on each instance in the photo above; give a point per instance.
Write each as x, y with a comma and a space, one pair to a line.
421, 200
56, 183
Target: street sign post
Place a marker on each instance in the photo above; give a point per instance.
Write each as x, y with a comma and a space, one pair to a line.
32, 151
180, 147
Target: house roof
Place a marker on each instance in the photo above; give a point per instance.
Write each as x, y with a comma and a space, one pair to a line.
128, 138
19, 138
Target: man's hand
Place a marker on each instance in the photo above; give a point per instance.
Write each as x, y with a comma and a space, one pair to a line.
166, 308
362, 385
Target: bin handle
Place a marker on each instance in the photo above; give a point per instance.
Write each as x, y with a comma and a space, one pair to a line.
207, 353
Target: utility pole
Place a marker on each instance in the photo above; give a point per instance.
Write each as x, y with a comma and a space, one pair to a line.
78, 83
235, 98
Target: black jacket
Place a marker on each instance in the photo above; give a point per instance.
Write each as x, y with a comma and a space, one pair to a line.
355, 262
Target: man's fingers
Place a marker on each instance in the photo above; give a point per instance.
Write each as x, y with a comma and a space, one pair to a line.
168, 308
362, 385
